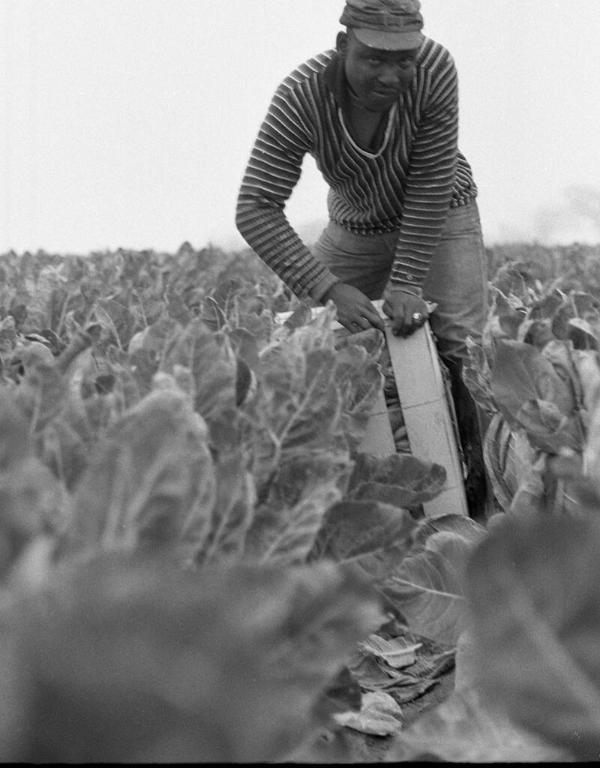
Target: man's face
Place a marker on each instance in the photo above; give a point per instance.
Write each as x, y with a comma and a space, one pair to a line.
376, 76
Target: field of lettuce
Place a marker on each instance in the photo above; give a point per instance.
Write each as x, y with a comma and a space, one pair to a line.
199, 565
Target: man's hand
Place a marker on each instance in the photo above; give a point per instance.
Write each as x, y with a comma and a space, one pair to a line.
408, 311
354, 311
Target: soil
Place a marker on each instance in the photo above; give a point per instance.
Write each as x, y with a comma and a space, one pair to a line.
347, 745
370, 749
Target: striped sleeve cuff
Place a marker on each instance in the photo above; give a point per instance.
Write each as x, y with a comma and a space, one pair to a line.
415, 290
407, 282
320, 289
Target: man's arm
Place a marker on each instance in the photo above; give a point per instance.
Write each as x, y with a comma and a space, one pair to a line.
427, 197
272, 173
430, 179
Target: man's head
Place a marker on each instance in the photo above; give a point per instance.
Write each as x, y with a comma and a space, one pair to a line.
389, 25
379, 48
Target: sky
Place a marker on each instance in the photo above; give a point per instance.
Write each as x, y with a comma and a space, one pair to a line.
128, 123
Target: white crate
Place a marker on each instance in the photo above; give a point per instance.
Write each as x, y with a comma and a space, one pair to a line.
426, 411
427, 416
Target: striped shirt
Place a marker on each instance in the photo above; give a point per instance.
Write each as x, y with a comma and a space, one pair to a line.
407, 185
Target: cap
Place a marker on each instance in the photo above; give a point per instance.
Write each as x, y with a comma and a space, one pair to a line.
391, 25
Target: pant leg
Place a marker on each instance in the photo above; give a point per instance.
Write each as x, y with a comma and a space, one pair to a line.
364, 261
457, 282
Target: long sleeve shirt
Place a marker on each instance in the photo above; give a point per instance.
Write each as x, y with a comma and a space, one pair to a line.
407, 185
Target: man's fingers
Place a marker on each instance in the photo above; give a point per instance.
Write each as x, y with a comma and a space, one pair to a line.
358, 325
363, 323
365, 317
373, 318
399, 327
405, 325
408, 313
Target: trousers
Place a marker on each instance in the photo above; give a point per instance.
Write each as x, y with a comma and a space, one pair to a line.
456, 281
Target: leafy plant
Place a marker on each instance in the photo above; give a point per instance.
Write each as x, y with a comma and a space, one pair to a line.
129, 658
536, 376
535, 601
428, 585
197, 562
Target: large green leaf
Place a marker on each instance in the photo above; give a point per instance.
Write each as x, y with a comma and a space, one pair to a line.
233, 510
400, 480
588, 372
520, 374
368, 533
531, 495
507, 315
536, 332
563, 357
128, 659
546, 307
359, 379
549, 429
428, 585
147, 476
533, 592
15, 442
301, 471
39, 306
117, 316
458, 525
476, 374
42, 393
583, 334
297, 410
300, 396
32, 501
508, 457
287, 523
211, 360
591, 453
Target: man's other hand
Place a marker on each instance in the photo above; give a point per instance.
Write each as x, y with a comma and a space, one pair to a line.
407, 311
354, 310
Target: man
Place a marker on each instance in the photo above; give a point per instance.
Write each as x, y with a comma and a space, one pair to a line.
380, 117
